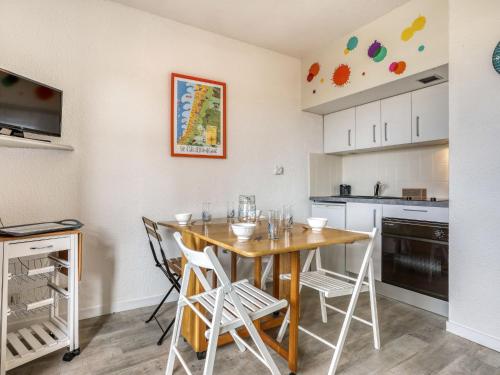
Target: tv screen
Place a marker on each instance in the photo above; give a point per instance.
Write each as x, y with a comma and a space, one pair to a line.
26, 105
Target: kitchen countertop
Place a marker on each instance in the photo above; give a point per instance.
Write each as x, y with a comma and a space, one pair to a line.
388, 200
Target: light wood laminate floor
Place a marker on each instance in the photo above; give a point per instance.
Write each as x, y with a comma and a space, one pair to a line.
413, 342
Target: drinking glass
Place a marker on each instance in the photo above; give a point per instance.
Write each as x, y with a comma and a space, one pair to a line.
273, 224
251, 213
287, 216
230, 210
205, 212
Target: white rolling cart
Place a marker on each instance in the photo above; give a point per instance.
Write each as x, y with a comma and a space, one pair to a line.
39, 297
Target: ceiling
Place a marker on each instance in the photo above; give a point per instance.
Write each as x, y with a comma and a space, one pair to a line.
292, 27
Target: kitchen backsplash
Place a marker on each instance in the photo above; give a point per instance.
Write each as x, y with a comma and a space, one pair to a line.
422, 167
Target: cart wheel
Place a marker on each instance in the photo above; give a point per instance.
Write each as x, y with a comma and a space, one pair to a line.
201, 355
68, 357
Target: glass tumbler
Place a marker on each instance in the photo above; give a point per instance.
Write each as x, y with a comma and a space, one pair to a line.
287, 216
205, 212
230, 210
273, 224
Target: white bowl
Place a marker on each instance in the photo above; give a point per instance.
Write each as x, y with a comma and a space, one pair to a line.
317, 223
183, 219
243, 230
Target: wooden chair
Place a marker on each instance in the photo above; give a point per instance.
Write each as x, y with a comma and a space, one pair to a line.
171, 268
231, 306
332, 284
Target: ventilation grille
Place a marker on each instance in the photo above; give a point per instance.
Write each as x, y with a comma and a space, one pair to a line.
430, 79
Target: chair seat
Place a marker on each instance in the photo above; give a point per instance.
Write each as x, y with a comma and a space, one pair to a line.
175, 265
330, 286
256, 302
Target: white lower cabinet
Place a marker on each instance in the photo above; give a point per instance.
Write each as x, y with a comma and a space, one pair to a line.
332, 257
364, 217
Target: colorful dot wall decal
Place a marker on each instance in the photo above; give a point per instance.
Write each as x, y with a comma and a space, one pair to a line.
352, 43
382, 53
44, 93
322, 80
341, 75
421, 48
313, 71
374, 49
397, 67
377, 51
417, 25
9, 80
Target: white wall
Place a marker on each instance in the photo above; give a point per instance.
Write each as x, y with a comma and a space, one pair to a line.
419, 167
113, 64
387, 30
474, 172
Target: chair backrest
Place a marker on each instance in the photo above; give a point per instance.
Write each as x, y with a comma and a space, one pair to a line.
155, 241
202, 259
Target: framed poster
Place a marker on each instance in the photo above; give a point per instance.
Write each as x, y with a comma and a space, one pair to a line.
198, 117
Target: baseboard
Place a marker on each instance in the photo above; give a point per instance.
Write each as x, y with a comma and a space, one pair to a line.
421, 301
93, 311
474, 335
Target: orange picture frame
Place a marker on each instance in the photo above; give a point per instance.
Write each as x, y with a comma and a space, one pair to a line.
200, 134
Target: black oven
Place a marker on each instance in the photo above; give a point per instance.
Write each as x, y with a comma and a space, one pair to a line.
415, 256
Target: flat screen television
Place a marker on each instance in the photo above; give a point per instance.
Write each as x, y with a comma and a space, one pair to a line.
29, 106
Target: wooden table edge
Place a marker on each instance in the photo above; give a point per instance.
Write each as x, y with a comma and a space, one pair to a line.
256, 254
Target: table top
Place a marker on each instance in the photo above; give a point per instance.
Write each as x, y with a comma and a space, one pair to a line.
218, 232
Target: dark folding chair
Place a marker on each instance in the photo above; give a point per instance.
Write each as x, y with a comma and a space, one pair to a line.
171, 268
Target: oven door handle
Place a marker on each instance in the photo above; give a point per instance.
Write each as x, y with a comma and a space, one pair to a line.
427, 240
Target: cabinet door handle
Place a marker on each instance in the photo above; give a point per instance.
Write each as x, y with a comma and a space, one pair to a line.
41, 247
374, 218
374, 139
413, 210
349, 137
385, 131
418, 126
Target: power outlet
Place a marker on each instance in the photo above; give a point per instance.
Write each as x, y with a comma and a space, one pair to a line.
279, 170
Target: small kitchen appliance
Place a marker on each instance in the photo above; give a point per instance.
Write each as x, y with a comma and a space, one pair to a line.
345, 189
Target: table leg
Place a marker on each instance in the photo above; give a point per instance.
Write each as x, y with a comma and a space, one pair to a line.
276, 276
257, 272
234, 267
293, 339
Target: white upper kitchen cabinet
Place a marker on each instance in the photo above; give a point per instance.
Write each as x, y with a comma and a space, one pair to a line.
339, 131
368, 126
430, 113
396, 120
364, 217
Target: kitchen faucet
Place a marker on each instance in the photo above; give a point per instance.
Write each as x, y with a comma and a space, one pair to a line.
377, 189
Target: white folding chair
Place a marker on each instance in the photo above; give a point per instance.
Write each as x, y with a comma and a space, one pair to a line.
332, 284
231, 306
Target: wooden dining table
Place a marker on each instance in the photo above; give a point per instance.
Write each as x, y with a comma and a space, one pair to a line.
286, 257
